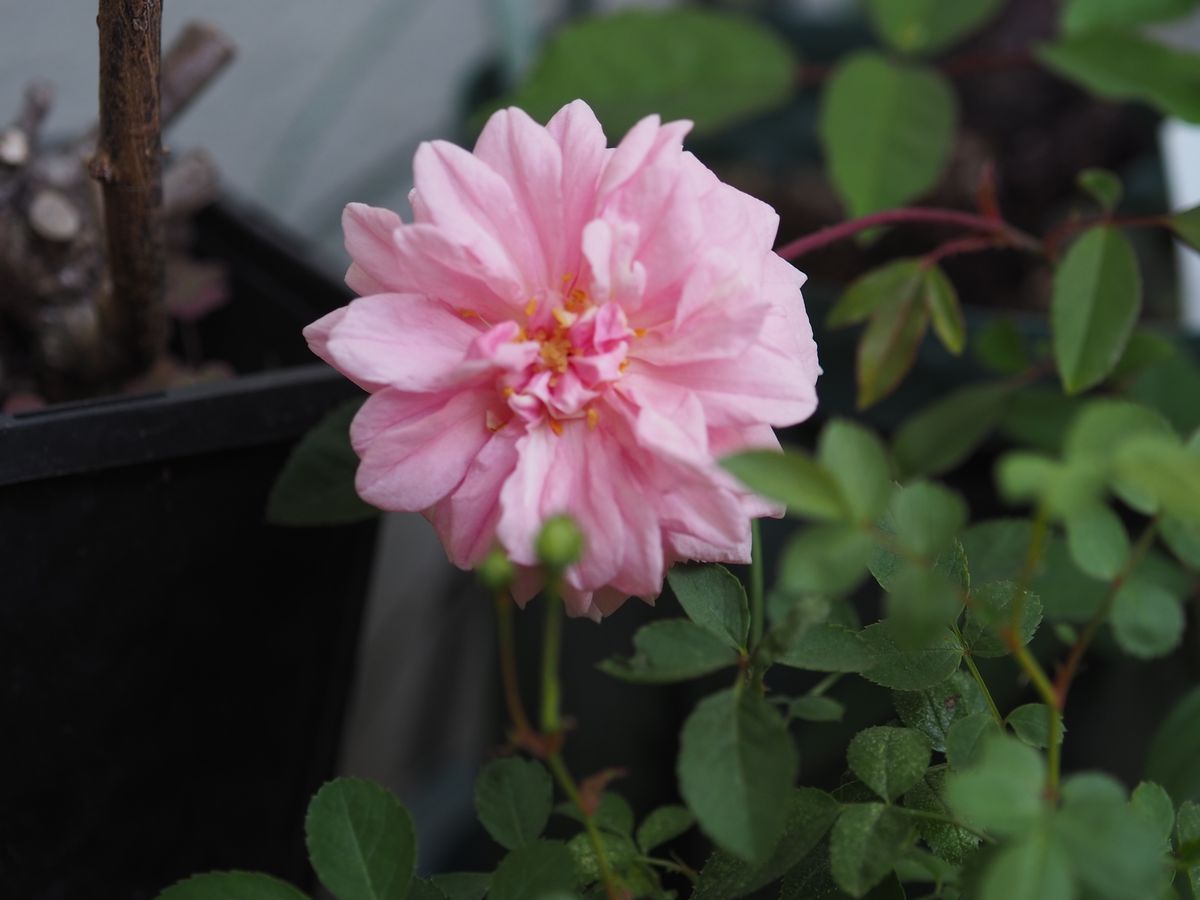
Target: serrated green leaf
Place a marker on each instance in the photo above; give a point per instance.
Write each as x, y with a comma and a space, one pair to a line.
809, 814
663, 825
966, 737
935, 710
922, 603
1104, 186
671, 650
316, 484
893, 282
463, 885
867, 840
1146, 620
612, 814
887, 130
736, 759
945, 312
990, 614
792, 478
889, 760
1187, 834
1084, 15
532, 871
1097, 541
1033, 867
1114, 851
803, 614
1031, 723
907, 666
940, 436
1097, 296
1120, 64
859, 462
232, 886
926, 26
714, 599
947, 840
827, 648
513, 798
1153, 804
361, 841
619, 851
824, 559
1001, 790
711, 67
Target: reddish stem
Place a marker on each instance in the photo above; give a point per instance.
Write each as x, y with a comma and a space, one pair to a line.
999, 229
1056, 238
971, 244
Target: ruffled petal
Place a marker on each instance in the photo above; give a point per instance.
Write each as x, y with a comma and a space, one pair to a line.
368, 234
416, 448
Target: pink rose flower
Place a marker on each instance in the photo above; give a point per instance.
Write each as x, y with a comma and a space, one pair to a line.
568, 328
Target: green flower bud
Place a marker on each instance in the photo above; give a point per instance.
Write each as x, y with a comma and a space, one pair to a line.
560, 543
496, 572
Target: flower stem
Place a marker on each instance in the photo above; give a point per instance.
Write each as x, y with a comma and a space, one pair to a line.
756, 584
552, 729
508, 666
1005, 233
978, 676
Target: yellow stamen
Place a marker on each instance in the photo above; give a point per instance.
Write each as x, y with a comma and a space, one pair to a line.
508, 391
531, 306
568, 277
562, 317
623, 366
468, 314
493, 422
556, 427
593, 418
521, 337
639, 332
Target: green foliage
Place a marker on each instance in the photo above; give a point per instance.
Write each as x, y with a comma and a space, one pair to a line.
808, 816
927, 26
1000, 348
1122, 65
815, 708
663, 825
736, 759
935, 710
791, 478
713, 68
898, 662
827, 647
1031, 723
1097, 295
867, 841
927, 517
463, 885
232, 886
825, 559
1104, 186
887, 130
714, 600
1187, 835
1033, 867
1146, 620
671, 650
1000, 790
991, 613
316, 484
361, 841
966, 737
945, 311
943, 434
513, 798
612, 814
1186, 226
946, 840
533, 871
1084, 15
860, 465
1097, 541
1154, 805
892, 282
888, 760
1171, 760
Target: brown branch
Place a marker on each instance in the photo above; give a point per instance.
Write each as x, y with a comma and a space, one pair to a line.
1000, 229
128, 165
194, 58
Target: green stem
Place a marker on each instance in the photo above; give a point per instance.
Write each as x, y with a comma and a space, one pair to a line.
686, 871
756, 585
825, 684
977, 675
552, 729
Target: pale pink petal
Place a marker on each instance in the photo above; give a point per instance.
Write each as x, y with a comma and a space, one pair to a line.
404, 341
642, 146
583, 146
431, 263
317, 335
416, 448
467, 198
466, 519
530, 160
368, 235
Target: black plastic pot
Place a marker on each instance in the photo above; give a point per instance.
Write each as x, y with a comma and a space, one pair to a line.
174, 670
